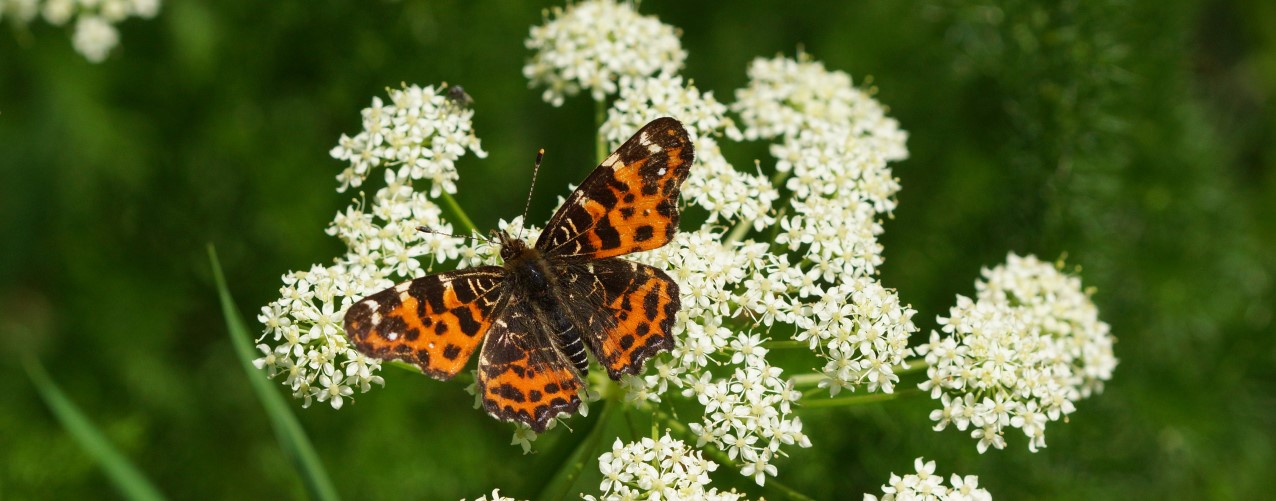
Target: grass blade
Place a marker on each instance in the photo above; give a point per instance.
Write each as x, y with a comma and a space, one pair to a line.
292, 438
127, 478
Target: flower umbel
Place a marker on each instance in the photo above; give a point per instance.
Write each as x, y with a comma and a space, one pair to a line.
417, 137
1019, 355
590, 45
662, 468
926, 485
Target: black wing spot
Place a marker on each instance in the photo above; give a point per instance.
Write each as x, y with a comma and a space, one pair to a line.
451, 352
607, 234
644, 232
651, 303
465, 319
509, 392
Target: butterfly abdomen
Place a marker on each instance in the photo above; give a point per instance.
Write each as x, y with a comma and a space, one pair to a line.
530, 273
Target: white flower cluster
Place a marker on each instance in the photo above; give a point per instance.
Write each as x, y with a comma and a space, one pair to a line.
591, 44
862, 330
833, 142
787, 97
95, 34
418, 137
1019, 355
925, 485
656, 470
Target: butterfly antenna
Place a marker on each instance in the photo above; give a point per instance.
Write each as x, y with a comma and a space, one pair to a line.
540, 154
423, 229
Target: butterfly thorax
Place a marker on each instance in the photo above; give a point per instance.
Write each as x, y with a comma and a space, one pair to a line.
531, 275
526, 267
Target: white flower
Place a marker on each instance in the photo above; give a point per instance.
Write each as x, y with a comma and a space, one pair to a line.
926, 485
94, 37
1030, 344
591, 45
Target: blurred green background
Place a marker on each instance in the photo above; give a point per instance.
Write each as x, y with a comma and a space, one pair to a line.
1136, 136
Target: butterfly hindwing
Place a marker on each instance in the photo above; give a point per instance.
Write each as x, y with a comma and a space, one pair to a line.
434, 322
522, 376
629, 203
630, 316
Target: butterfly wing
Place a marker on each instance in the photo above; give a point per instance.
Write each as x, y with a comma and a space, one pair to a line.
629, 203
434, 322
522, 377
629, 317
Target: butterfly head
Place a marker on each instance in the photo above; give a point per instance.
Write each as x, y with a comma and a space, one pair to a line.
511, 247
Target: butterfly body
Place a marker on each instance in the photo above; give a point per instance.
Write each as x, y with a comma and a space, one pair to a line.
547, 305
528, 273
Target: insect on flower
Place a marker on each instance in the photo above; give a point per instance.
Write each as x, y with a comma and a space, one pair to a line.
549, 303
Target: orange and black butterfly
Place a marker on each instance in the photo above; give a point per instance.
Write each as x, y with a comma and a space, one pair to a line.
548, 304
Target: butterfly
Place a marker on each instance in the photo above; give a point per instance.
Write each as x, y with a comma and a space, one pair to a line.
538, 313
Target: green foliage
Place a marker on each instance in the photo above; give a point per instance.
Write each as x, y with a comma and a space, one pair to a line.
1137, 137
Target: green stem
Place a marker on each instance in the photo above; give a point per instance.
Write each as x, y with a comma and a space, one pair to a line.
785, 344
776, 181
459, 213
807, 379
399, 364
914, 365
858, 400
600, 144
738, 233
560, 487
722, 458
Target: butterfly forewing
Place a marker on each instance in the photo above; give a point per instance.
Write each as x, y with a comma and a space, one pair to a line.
629, 203
522, 376
434, 322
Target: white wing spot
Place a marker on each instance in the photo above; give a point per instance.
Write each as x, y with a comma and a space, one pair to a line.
611, 159
662, 171
392, 336
403, 287
654, 148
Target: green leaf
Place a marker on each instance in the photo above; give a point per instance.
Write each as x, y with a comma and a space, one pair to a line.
126, 477
292, 438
